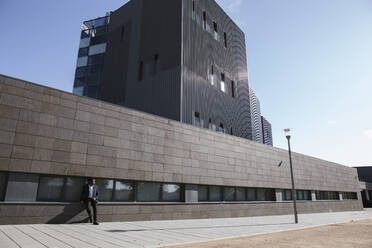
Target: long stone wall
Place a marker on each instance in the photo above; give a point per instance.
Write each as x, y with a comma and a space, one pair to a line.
46, 131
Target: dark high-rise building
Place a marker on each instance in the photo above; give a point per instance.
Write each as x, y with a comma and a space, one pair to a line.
181, 59
266, 131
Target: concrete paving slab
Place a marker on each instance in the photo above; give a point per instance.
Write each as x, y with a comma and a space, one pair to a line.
152, 234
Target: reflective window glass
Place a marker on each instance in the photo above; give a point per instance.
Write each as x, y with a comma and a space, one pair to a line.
96, 59
171, 192
287, 195
98, 39
93, 79
307, 195
84, 42
228, 193
50, 188
215, 193
73, 189
82, 61
260, 194
21, 187
240, 194
105, 189
202, 193
83, 52
97, 49
124, 191
270, 195
251, 194
148, 192
81, 72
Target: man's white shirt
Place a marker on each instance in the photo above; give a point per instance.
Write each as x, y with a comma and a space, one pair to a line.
90, 191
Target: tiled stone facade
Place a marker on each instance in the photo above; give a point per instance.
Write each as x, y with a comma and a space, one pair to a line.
47, 131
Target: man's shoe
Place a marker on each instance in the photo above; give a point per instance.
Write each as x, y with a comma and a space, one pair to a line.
95, 223
90, 220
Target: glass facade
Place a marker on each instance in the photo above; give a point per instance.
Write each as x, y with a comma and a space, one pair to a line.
89, 67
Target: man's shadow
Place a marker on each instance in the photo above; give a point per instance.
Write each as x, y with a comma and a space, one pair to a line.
70, 211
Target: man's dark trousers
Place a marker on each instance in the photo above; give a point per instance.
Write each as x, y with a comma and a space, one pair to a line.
93, 203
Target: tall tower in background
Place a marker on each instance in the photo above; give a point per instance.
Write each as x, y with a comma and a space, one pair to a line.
255, 116
267, 132
181, 59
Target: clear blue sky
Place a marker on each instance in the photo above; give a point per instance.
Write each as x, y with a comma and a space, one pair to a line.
310, 63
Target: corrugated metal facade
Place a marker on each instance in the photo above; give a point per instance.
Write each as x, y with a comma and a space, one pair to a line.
159, 58
201, 51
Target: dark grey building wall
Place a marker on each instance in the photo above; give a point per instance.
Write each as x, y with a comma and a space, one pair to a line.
139, 31
200, 51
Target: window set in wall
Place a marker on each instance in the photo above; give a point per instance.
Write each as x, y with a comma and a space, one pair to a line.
148, 68
203, 22
214, 126
27, 187
223, 85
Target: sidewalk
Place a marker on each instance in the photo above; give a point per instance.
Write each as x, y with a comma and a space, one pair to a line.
160, 233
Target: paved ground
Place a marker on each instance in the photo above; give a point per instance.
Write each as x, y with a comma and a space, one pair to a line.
356, 234
160, 233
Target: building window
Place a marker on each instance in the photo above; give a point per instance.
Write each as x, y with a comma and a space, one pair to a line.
106, 188
215, 193
225, 39
50, 188
202, 193
140, 71
97, 49
72, 189
211, 125
27, 182
349, 196
215, 31
212, 76
85, 42
83, 52
82, 61
171, 193
223, 84
205, 20
148, 192
156, 63
198, 122
241, 194
222, 128
251, 194
327, 195
233, 95
124, 191
229, 194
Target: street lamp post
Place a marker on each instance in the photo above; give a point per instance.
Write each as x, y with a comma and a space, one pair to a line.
288, 136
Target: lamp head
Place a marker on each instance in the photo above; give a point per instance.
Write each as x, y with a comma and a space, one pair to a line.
287, 132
